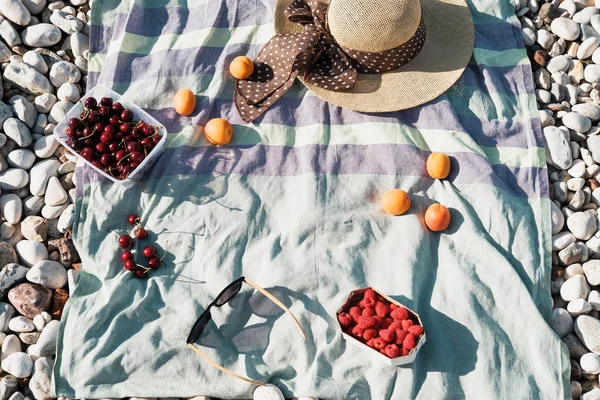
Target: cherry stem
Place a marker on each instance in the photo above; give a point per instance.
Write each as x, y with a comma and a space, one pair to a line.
144, 268
127, 156
116, 233
164, 255
88, 136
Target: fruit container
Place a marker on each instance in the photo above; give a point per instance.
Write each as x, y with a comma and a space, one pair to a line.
352, 300
99, 92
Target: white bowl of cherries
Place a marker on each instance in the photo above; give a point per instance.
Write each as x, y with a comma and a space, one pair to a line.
112, 135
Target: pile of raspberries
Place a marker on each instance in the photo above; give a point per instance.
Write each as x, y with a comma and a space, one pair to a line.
381, 325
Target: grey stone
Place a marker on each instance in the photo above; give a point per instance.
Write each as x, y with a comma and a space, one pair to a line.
24, 110
587, 330
40, 381
11, 275
41, 35
557, 147
27, 78
35, 228
18, 131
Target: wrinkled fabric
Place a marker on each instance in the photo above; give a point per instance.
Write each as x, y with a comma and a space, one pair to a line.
293, 204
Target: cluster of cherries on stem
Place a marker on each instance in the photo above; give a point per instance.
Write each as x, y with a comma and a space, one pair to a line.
149, 252
106, 135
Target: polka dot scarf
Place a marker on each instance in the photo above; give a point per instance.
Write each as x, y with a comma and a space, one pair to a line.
315, 55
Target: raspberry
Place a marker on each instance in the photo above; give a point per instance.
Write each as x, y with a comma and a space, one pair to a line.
416, 330
380, 298
345, 319
410, 341
407, 323
365, 322
355, 312
386, 322
392, 351
387, 335
369, 334
395, 325
404, 352
378, 321
379, 343
382, 309
382, 351
371, 343
357, 331
399, 313
367, 302
368, 312
370, 293
393, 306
400, 335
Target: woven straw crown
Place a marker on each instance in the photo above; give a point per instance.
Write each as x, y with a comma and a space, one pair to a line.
373, 25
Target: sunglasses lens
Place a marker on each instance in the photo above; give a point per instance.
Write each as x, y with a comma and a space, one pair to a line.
229, 292
198, 327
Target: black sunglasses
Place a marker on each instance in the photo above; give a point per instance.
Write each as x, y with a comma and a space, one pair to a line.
223, 298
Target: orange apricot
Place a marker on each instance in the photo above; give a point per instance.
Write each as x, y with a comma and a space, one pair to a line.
395, 202
438, 165
241, 67
218, 131
437, 217
184, 102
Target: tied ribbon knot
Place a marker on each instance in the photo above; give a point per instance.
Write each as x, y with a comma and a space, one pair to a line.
314, 55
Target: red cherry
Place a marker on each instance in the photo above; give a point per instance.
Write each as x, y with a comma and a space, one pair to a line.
70, 132
134, 165
90, 102
125, 128
104, 111
101, 148
126, 115
73, 123
133, 146
120, 154
129, 265
140, 273
106, 159
141, 233
148, 130
106, 101
154, 263
149, 251
156, 139
99, 127
113, 147
133, 219
125, 241
97, 164
106, 137
126, 255
87, 153
117, 107
136, 157
114, 121
146, 142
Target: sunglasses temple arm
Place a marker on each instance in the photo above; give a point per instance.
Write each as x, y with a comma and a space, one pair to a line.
279, 303
223, 369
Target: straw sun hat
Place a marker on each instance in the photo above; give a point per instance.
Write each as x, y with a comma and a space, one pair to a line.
366, 55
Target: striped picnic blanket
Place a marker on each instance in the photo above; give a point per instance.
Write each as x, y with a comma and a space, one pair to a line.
293, 203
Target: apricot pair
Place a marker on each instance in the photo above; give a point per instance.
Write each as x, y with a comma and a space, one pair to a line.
397, 202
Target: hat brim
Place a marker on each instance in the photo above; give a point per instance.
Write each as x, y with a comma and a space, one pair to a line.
440, 63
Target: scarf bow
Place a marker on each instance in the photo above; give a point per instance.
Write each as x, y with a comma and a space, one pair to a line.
316, 56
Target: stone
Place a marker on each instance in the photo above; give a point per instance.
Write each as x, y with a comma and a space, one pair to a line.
576, 389
558, 219
11, 275
577, 169
565, 28
73, 278
577, 122
592, 73
44, 102
10, 345
51, 212
578, 307
80, 43
40, 124
575, 288
7, 230
39, 322
21, 158
6, 313
66, 248
268, 392
593, 143
587, 48
588, 110
29, 337
63, 72
557, 92
27, 78
41, 35
544, 38
36, 61
557, 147
45, 146
40, 174
18, 365
68, 92
31, 252
9, 33
558, 64
7, 254
69, 23
590, 363
594, 300
582, 224
21, 324
528, 36
543, 96
576, 184
574, 345
17, 131
8, 386
33, 205
15, 11
50, 274
59, 111
24, 110
40, 381
593, 394
34, 6
562, 239
65, 221
11, 208
55, 194
30, 299
35, 228
572, 270
47, 342
587, 330
562, 322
